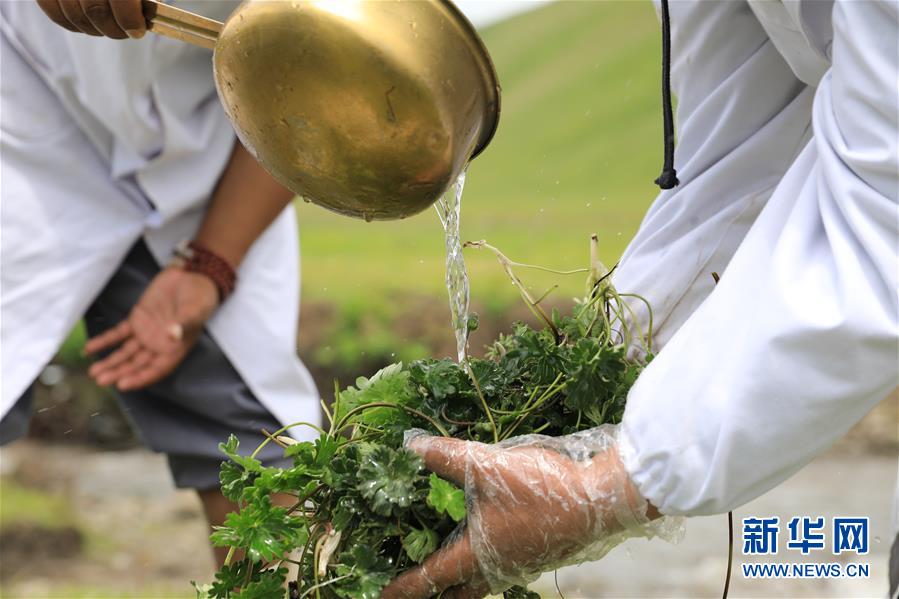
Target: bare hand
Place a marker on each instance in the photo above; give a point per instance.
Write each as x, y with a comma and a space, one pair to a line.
118, 19
161, 329
532, 508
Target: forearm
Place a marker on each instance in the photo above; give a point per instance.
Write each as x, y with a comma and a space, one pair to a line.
245, 202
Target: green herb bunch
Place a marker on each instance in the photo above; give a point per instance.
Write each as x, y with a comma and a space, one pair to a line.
362, 508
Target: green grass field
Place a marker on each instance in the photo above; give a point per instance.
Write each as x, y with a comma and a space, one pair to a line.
578, 147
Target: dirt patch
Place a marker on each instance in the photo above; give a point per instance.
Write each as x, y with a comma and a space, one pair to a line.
23, 544
878, 432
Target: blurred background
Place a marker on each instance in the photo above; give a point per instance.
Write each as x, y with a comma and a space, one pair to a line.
85, 512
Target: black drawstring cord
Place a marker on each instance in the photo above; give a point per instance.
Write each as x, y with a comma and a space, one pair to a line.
668, 178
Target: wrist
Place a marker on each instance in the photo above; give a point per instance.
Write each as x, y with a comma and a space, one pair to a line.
195, 257
230, 250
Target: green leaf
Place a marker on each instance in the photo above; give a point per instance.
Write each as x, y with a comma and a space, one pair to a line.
263, 531
230, 449
234, 479
517, 592
388, 385
325, 448
387, 479
420, 543
445, 498
303, 453
440, 378
367, 574
232, 577
268, 585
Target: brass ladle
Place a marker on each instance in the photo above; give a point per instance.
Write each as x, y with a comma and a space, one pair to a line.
370, 108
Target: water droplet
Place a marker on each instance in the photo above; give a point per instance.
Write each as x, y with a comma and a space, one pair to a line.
877, 539
588, 204
367, 216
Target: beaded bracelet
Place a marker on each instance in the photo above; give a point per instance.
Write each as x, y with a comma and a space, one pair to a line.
194, 257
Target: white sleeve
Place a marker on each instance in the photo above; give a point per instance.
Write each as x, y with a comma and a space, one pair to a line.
800, 338
742, 119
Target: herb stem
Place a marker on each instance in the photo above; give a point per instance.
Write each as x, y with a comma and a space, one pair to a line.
284, 429
487, 411
552, 390
380, 404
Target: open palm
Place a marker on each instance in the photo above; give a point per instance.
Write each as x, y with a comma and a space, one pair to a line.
161, 329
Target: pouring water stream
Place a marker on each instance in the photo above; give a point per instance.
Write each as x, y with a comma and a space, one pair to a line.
449, 210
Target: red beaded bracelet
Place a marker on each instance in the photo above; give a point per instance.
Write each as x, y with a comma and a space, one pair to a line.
193, 257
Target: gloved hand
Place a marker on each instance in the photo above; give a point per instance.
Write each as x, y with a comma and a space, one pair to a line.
535, 504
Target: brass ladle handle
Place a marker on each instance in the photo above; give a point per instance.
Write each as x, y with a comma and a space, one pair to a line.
180, 24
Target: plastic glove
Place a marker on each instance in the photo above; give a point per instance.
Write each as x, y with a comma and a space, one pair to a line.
535, 504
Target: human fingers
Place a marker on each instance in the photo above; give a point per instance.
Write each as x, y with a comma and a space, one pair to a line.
152, 371
477, 589
450, 566
135, 365
54, 12
114, 376
129, 14
116, 359
99, 13
75, 14
109, 338
444, 456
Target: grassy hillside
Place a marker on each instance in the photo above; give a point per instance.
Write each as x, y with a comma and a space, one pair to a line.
576, 152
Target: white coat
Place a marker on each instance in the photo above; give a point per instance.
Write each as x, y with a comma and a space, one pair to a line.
787, 157
104, 142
